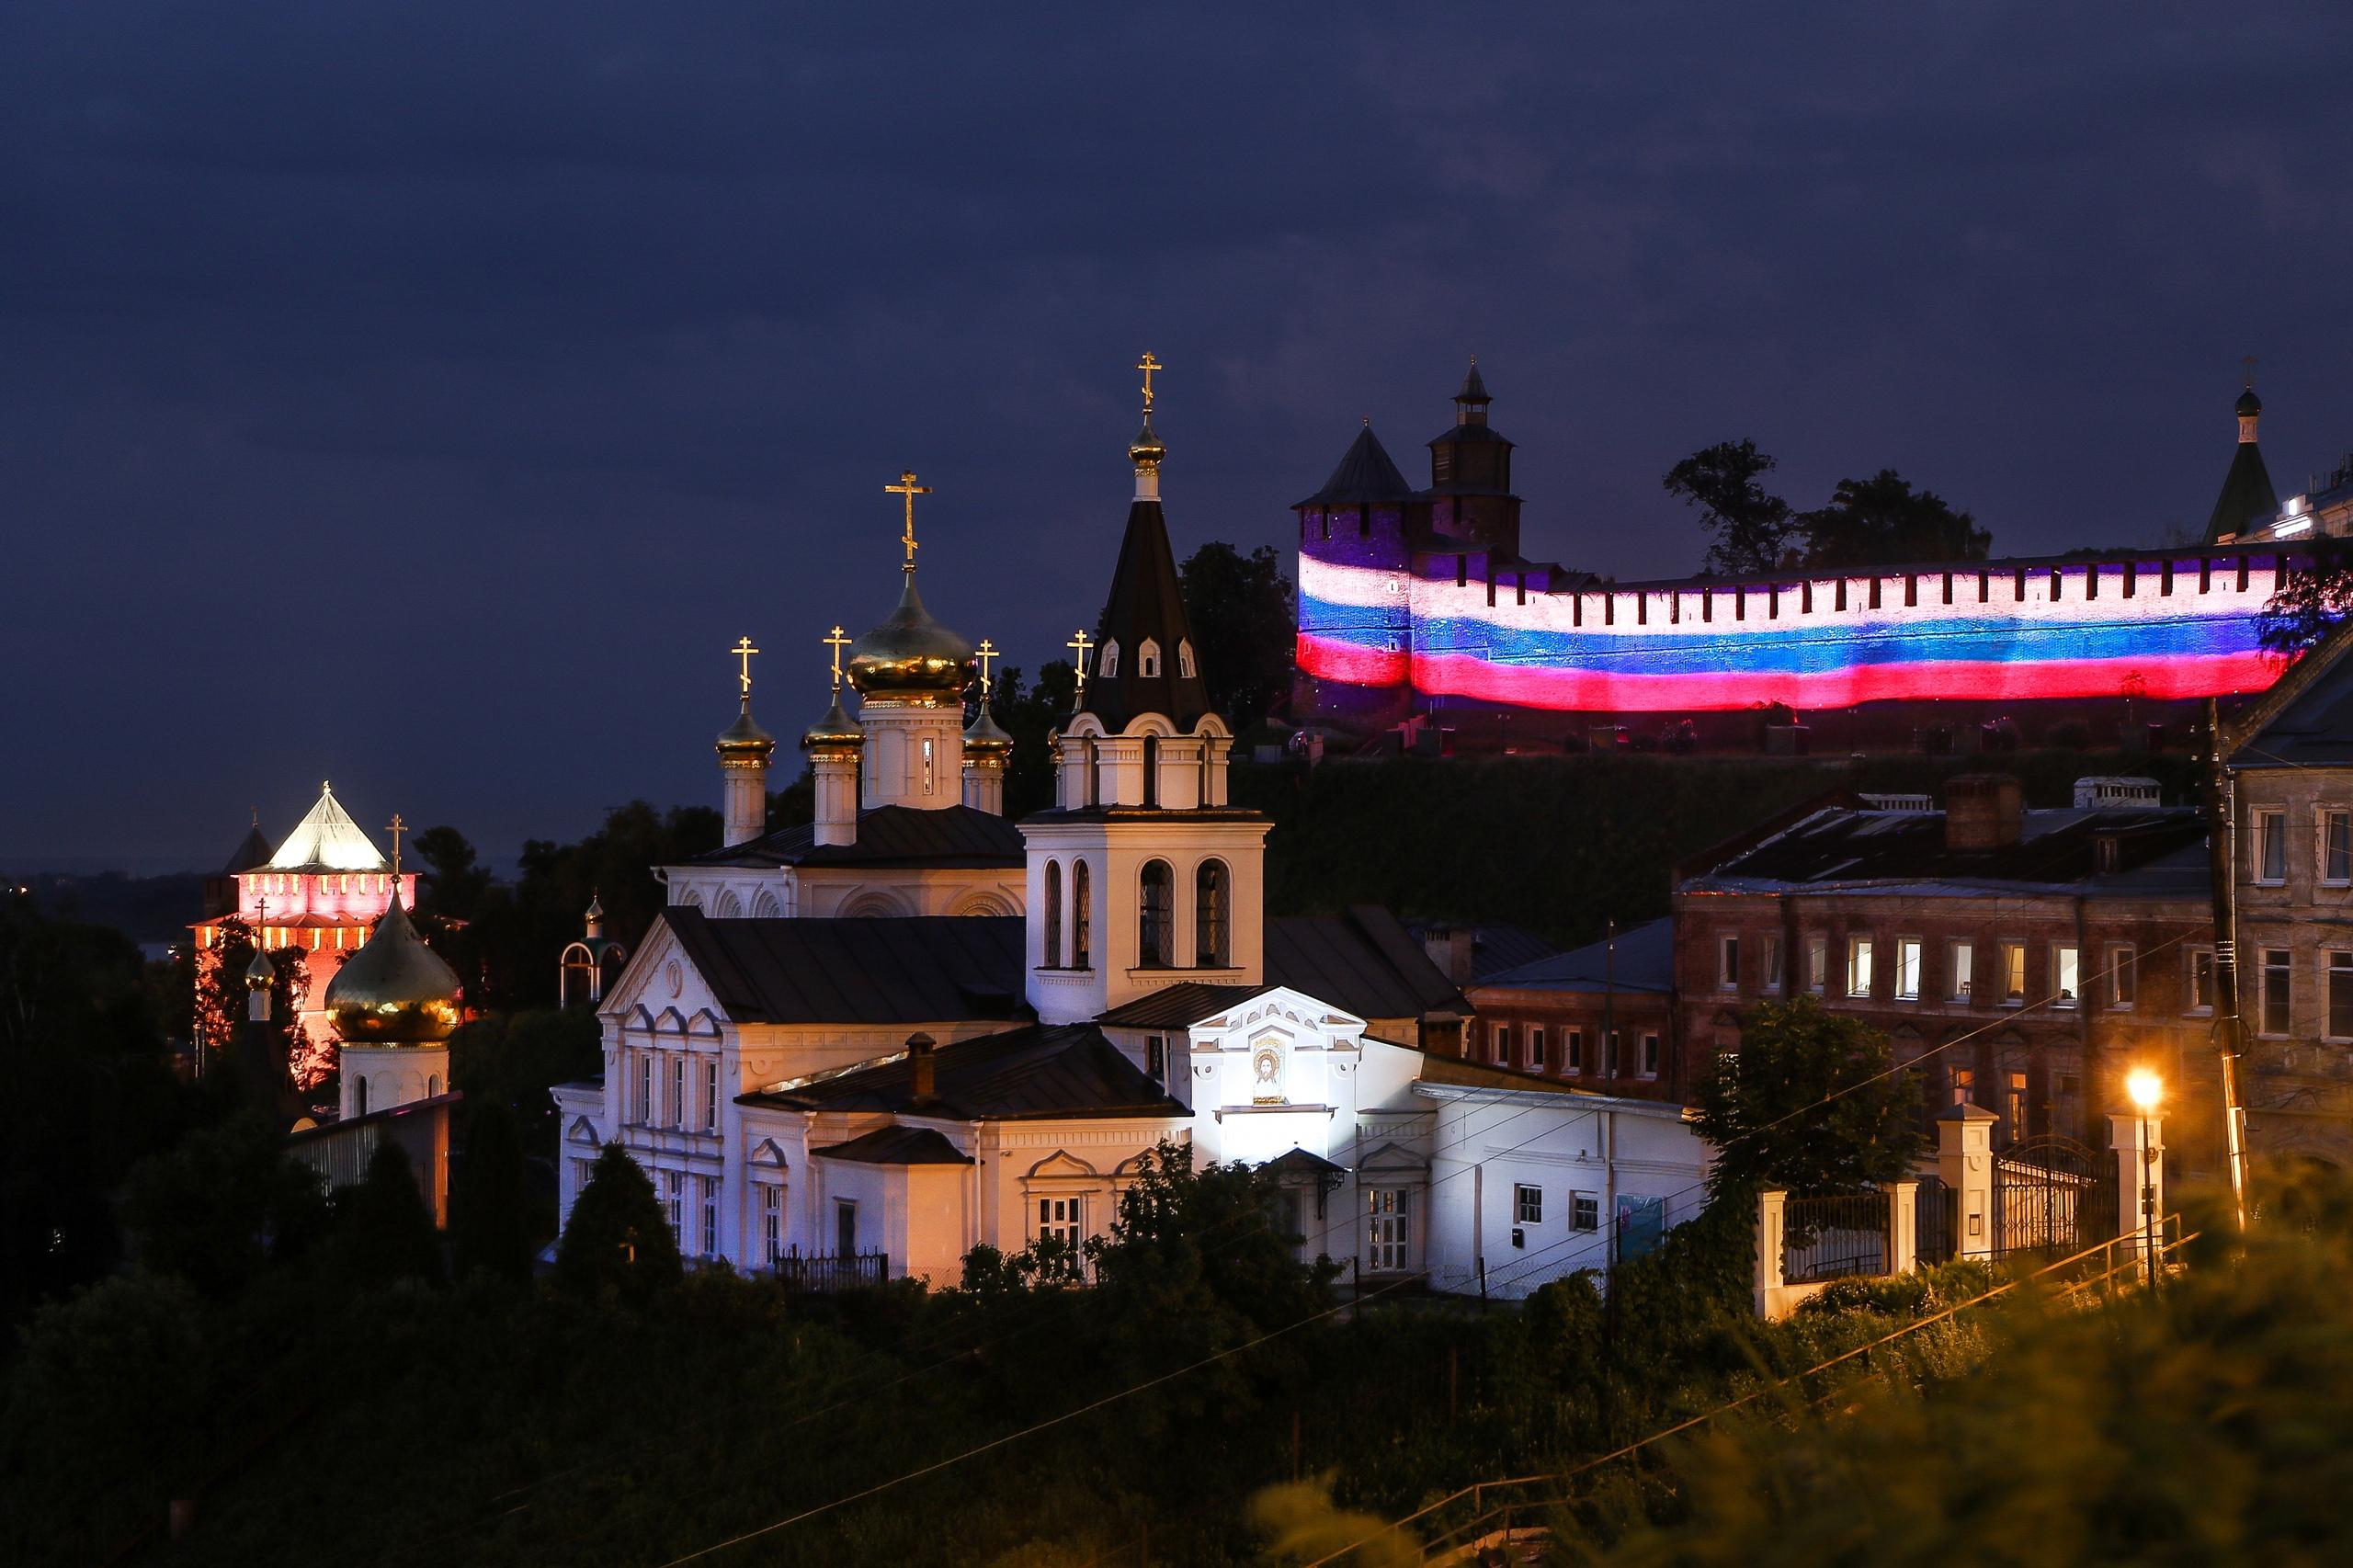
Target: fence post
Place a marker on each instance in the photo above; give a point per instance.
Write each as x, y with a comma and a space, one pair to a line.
1903, 1226
1965, 1161
1772, 1205
2138, 1164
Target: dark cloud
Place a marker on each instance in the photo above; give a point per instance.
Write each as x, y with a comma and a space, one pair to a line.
498, 365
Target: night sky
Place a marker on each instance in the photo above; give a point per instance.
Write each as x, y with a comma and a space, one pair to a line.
424, 395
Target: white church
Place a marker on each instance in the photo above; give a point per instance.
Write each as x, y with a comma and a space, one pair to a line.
912, 1026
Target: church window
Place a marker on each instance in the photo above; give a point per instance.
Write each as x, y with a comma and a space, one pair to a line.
1106, 664
1387, 1234
1155, 947
1062, 1220
711, 1097
710, 1216
1155, 1058
927, 765
1210, 916
1148, 659
1185, 660
772, 1222
642, 1111
1051, 930
678, 1091
673, 1204
432, 1084
1082, 915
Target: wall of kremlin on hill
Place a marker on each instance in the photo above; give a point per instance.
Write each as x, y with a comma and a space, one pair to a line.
1416, 608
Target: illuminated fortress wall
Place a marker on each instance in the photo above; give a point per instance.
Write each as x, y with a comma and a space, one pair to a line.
1383, 629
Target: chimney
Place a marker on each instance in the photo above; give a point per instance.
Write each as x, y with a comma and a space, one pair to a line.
1451, 948
1983, 811
919, 1068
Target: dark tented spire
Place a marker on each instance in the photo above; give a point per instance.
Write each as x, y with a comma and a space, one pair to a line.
1144, 619
2248, 497
1471, 402
252, 851
1365, 474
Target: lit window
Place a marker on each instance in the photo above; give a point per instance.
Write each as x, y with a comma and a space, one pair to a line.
2012, 971
1061, 1219
1907, 968
1858, 966
2017, 1105
2277, 976
1527, 1204
2066, 978
2201, 980
1728, 964
1388, 1239
1960, 959
2270, 846
1964, 1085
2123, 977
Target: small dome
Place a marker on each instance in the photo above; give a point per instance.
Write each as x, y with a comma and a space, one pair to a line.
261, 973
2249, 405
836, 729
1145, 450
911, 657
984, 736
394, 991
745, 734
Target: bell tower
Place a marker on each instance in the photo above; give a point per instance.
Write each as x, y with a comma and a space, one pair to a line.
1470, 495
1142, 875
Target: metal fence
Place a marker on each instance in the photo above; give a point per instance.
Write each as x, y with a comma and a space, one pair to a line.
1937, 1218
818, 1272
2051, 1196
1833, 1237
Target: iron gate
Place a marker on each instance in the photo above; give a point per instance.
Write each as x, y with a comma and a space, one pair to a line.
2053, 1195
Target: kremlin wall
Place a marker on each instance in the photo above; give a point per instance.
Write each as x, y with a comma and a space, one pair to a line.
1417, 610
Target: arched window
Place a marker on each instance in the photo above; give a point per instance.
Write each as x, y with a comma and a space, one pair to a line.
1082, 913
1210, 916
1108, 665
1148, 659
432, 1084
359, 1096
1052, 955
1155, 915
1185, 659
1152, 770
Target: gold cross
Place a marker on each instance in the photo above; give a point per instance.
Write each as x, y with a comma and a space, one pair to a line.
396, 827
910, 489
1148, 364
744, 651
838, 641
988, 655
1082, 643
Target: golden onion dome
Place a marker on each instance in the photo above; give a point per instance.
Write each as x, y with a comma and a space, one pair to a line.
911, 657
986, 738
1145, 450
836, 729
260, 974
395, 990
744, 735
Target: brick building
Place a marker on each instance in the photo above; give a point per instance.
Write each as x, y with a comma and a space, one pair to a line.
1558, 1017
2024, 959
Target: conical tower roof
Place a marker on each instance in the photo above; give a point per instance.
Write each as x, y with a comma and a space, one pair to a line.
252, 851
327, 840
2248, 497
1366, 475
1147, 604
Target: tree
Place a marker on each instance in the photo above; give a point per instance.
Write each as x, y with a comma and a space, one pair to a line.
1749, 529
490, 1215
618, 1239
1201, 1247
514, 1058
1810, 1102
383, 1231
453, 885
1246, 628
221, 1204
1030, 714
1881, 521
2305, 608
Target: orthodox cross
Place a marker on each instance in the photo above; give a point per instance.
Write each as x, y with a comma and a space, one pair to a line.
2249, 363
396, 827
261, 919
836, 642
1148, 364
744, 651
910, 489
1082, 642
986, 655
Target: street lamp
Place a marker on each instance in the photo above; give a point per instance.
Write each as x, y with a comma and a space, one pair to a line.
2146, 1090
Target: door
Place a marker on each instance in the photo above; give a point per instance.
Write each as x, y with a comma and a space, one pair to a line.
1387, 1233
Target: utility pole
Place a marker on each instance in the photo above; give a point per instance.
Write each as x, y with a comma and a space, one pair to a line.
2230, 1029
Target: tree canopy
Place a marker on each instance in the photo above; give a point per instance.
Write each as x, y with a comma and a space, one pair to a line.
1811, 1101
1246, 628
1749, 529
618, 1240
2308, 606
1882, 521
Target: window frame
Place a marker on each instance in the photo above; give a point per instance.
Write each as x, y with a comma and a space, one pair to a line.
1771, 980
2013, 954
1652, 1061
1156, 917
1573, 1052
2122, 974
2333, 838
1527, 1204
2072, 996
1212, 914
1585, 1211
1817, 963
1961, 969
2335, 965
2285, 971
2198, 983
1862, 954
1917, 952
1728, 960
2268, 825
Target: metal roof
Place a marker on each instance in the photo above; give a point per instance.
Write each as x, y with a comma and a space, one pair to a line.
1147, 602
1366, 474
897, 1146
913, 970
2159, 851
1643, 961
1039, 1070
950, 838
326, 839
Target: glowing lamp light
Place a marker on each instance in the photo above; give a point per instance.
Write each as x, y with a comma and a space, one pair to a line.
2145, 1088
2290, 530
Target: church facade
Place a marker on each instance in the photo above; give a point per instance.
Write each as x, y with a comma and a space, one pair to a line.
911, 1028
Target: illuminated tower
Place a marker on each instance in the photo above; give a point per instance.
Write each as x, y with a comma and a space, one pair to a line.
1142, 875
834, 743
744, 752
986, 745
911, 674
